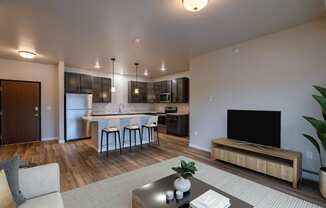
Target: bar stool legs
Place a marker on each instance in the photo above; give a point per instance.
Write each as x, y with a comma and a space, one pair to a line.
132, 132
107, 140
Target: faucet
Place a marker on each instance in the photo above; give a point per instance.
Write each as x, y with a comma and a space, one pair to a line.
121, 106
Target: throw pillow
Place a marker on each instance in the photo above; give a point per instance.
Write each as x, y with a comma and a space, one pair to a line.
6, 200
11, 169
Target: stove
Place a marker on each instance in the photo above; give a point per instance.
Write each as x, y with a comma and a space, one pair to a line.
162, 116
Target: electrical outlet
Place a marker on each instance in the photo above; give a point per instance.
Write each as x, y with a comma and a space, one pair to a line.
309, 155
196, 133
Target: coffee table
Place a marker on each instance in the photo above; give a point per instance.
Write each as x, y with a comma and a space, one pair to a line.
153, 195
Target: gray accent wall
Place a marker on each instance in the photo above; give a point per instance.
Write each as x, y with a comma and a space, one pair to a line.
273, 72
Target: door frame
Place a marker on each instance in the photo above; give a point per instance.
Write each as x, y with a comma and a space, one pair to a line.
40, 104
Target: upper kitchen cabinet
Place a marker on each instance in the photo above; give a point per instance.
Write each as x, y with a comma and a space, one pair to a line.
157, 91
86, 83
101, 90
72, 82
141, 97
180, 90
166, 86
151, 97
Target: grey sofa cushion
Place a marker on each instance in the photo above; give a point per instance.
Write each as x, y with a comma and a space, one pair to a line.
11, 169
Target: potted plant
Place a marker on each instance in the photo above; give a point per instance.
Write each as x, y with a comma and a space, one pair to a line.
320, 126
185, 171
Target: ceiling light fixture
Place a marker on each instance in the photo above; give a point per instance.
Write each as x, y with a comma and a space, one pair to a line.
163, 68
97, 65
27, 54
146, 72
137, 40
136, 87
113, 73
194, 5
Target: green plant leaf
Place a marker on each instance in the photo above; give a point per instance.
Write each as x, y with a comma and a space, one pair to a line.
322, 138
319, 125
183, 164
322, 90
322, 102
313, 141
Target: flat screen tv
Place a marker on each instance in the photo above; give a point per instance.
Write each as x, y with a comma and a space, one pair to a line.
259, 127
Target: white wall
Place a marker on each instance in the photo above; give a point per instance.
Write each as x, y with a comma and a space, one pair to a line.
47, 75
274, 72
120, 96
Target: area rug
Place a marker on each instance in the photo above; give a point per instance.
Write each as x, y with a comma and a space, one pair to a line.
115, 192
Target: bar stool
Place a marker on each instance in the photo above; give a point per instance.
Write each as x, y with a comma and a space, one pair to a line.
151, 126
133, 126
113, 127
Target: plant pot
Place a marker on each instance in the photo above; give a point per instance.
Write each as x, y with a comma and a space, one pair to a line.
322, 182
182, 184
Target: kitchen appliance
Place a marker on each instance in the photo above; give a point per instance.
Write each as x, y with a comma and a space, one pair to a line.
165, 97
259, 127
162, 117
76, 107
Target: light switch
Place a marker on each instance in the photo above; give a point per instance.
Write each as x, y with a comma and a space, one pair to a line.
49, 107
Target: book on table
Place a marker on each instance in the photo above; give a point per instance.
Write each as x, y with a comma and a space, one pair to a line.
210, 199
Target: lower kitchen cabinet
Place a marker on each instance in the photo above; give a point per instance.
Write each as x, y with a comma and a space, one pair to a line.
177, 124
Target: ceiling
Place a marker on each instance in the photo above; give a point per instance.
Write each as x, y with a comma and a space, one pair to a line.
80, 32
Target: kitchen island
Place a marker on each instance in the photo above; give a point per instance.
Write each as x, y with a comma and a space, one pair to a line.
95, 125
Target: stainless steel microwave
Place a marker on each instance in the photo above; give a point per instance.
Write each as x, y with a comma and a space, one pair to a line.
165, 97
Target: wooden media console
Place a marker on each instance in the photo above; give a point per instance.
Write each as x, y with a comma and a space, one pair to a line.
276, 162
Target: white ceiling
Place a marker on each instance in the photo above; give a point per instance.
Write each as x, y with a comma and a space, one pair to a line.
82, 31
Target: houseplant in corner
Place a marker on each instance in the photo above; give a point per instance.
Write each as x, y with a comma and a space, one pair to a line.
185, 171
320, 126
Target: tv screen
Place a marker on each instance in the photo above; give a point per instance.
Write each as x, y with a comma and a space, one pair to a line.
260, 127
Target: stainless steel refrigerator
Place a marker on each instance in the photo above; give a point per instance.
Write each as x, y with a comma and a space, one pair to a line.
77, 106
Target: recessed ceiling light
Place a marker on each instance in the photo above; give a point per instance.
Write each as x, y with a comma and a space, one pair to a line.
27, 54
146, 73
97, 65
137, 40
194, 5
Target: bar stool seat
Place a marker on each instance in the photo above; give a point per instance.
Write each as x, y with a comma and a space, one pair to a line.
111, 129
132, 127
149, 125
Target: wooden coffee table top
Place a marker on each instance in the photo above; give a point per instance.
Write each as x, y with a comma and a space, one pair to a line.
153, 195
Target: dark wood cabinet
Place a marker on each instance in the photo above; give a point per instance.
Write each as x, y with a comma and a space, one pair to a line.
100, 87
101, 90
72, 82
86, 83
157, 91
166, 86
177, 124
180, 90
141, 97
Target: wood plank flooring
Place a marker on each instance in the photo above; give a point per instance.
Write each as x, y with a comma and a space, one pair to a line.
80, 164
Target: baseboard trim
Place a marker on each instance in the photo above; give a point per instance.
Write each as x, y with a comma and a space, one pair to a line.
49, 139
199, 147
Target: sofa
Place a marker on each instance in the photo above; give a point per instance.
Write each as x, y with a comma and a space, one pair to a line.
41, 186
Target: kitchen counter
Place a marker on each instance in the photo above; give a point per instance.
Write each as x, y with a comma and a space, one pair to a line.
97, 123
124, 113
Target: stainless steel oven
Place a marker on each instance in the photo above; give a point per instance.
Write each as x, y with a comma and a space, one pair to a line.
165, 97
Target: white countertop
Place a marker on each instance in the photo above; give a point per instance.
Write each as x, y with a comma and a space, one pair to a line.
101, 118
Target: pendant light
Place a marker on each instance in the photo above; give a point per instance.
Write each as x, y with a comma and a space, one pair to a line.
136, 87
113, 74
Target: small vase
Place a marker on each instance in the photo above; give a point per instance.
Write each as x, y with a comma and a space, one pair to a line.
322, 182
182, 184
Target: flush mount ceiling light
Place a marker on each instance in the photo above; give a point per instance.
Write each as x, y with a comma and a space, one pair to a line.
194, 5
27, 54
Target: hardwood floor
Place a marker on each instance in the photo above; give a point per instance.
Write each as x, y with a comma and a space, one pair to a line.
80, 164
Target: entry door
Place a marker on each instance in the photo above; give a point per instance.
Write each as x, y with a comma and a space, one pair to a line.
20, 111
